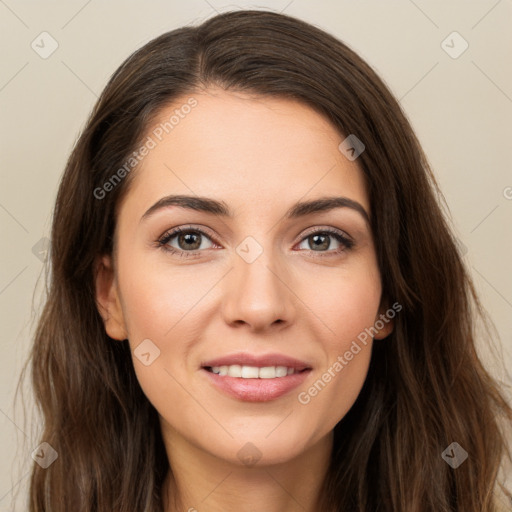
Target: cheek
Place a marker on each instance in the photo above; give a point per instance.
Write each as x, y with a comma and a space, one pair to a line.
337, 384
155, 311
349, 307
157, 300
162, 305
336, 389
347, 303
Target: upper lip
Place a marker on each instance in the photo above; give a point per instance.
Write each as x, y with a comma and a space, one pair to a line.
245, 359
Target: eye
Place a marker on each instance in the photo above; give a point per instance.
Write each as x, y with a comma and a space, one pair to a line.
320, 241
188, 241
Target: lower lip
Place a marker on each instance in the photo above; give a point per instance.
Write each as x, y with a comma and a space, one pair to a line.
257, 390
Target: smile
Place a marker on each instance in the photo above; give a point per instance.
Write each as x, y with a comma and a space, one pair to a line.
249, 383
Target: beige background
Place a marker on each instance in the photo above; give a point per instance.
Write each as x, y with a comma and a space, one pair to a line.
460, 108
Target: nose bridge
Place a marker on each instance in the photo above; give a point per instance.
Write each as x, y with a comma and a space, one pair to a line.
256, 291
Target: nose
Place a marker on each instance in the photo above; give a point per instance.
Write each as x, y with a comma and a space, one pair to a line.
258, 295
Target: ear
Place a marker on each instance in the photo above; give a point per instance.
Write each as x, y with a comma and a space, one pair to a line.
107, 299
384, 322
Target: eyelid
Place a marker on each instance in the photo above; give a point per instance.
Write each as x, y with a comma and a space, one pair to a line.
325, 229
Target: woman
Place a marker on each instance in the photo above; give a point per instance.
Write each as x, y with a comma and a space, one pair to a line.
314, 348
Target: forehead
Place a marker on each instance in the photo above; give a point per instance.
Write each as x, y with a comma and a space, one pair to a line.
246, 150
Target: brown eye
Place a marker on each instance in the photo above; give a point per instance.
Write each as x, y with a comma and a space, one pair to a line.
189, 240
322, 241
319, 242
184, 241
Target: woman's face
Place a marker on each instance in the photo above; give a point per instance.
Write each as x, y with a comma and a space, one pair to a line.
265, 287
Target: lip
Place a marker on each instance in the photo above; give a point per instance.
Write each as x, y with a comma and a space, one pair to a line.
246, 359
256, 390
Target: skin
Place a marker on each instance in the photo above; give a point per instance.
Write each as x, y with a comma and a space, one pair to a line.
259, 156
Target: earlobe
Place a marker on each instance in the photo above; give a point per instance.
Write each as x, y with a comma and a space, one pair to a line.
107, 298
384, 324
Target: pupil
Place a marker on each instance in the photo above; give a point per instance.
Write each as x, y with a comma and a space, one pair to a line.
189, 238
321, 245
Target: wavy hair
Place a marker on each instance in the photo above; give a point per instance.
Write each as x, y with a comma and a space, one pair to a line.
426, 386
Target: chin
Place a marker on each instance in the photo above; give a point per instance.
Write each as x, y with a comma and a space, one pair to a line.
252, 448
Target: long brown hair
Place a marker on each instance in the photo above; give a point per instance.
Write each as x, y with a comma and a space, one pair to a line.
426, 386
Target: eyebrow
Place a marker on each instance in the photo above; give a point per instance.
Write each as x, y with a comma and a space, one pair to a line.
221, 209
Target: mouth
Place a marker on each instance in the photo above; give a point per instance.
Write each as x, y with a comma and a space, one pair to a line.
256, 378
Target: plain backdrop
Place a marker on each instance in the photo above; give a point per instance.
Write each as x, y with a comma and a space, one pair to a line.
459, 103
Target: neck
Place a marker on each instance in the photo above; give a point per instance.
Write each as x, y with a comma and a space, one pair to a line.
199, 481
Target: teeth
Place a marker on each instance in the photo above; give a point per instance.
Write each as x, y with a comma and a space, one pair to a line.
235, 370
253, 372
268, 372
250, 372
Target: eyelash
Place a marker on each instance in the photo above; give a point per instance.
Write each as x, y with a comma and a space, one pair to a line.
162, 242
